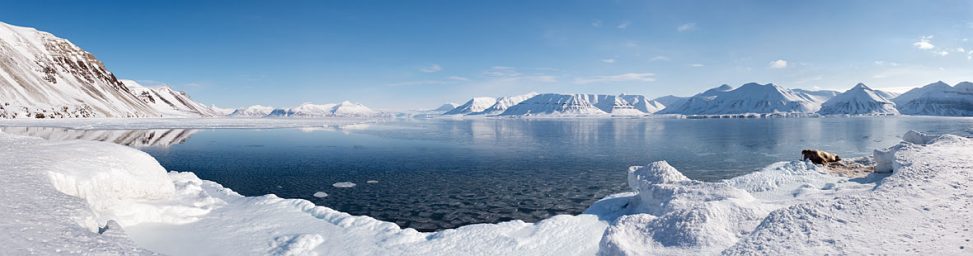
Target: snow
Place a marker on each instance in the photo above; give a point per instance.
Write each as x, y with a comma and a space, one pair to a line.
503, 103
938, 99
310, 110
474, 105
100, 198
253, 111
859, 100
749, 98
168, 102
49, 77
550, 104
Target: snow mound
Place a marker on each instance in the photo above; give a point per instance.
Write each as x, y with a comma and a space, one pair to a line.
296, 245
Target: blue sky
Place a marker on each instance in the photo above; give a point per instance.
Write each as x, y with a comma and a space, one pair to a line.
418, 54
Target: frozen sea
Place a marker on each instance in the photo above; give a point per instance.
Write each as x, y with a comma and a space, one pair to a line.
436, 174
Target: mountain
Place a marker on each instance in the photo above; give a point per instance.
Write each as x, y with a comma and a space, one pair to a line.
749, 98
253, 111
474, 105
816, 96
444, 108
307, 110
584, 105
671, 100
503, 103
222, 111
859, 100
887, 95
169, 102
938, 99
43, 76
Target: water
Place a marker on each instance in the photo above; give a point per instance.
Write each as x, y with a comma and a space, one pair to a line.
436, 174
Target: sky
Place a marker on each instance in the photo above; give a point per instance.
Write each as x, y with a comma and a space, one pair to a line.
420, 54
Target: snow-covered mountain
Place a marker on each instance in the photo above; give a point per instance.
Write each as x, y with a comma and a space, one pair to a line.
859, 100
253, 111
169, 102
816, 96
474, 105
43, 76
503, 103
749, 98
444, 108
937, 99
343, 109
584, 105
222, 111
671, 100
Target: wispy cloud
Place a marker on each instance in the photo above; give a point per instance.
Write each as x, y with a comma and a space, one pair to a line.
431, 68
924, 43
501, 71
886, 63
420, 82
608, 60
458, 78
626, 77
596, 23
514, 74
624, 25
686, 27
941, 53
659, 58
696, 65
778, 64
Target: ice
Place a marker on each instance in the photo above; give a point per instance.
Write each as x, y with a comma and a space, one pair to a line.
320, 194
344, 184
371, 181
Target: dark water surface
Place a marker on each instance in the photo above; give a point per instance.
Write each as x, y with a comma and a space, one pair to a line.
435, 174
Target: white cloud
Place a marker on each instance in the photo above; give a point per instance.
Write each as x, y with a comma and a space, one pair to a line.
458, 78
942, 53
641, 77
778, 64
924, 43
886, 63
420, 82
431, 69
513, 74
624, 25
501, 71
608, 60
659, 58
961, 50
596, 23
686, 27
696, 65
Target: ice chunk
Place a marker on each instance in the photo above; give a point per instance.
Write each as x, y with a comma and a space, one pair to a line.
344, 184
320, 194
920, 138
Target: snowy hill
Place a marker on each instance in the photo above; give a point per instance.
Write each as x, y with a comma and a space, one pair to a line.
584, 105
749, 98
671, 100
43, 76
474, 105
816, 96
938, 99
859, 100
444, 108
503, 103
169, 102
253, 111
222, 111
343, 109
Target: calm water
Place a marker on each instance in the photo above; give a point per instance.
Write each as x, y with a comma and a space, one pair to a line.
435, 174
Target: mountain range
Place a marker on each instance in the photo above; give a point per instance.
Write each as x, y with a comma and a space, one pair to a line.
43, 76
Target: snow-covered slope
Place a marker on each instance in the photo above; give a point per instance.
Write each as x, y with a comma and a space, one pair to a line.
938, 99
43, 76
253, 111
552, 104
671, 100
169, 102
343, 109
444, 108
749, 98
816, 96
474, 105
859, 100
503, 103
222, 111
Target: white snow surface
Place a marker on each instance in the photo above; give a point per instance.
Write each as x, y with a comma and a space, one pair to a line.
938, 99
922, 207
43, 76
473, 106
253, 111
748, 98
169, 102
552, 104
859, 100
310, 110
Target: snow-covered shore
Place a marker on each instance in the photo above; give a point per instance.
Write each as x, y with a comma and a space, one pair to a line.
82, 197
